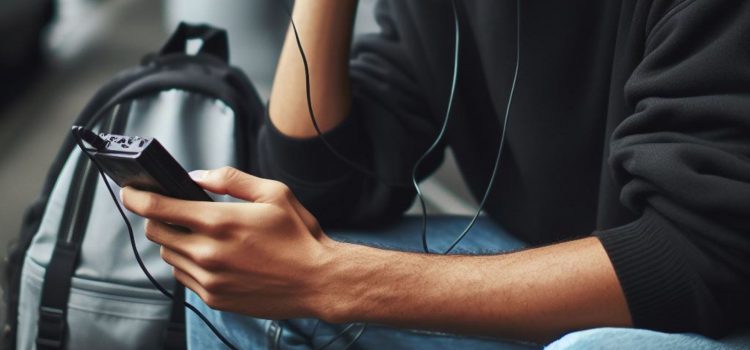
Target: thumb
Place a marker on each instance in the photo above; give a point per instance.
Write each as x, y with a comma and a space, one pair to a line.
228, 180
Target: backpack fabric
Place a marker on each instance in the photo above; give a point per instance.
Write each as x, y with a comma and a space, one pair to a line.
71, 280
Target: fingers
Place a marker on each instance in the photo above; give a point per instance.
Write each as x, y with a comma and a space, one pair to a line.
193, 215
184, 264
235, 183
155, 206
191, 275
228, 180
172, 237
189, 282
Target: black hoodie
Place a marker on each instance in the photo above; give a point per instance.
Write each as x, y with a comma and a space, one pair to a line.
631, 122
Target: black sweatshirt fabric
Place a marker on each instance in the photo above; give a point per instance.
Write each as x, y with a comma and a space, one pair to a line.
631, 122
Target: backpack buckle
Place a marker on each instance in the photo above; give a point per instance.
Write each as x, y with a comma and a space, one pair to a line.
51, 332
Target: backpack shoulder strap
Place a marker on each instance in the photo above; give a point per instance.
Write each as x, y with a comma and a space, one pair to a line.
53, 305
174, 337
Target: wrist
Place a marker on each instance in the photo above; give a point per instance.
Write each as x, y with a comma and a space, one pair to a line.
348, 282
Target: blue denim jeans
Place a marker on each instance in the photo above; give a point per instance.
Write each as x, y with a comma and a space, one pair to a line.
485, 238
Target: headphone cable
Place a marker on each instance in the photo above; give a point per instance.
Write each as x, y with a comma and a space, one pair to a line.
137, 255
495, 168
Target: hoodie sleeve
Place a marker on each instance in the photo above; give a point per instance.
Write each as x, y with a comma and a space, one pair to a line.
683, 161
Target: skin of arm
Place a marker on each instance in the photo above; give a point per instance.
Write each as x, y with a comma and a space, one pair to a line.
325, 29
268, 257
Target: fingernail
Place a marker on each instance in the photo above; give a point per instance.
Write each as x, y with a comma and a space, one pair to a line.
197, 175
121, 190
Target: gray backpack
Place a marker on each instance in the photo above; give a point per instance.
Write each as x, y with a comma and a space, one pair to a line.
72, 281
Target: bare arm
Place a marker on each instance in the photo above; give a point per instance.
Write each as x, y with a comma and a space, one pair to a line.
325, 28
536, 294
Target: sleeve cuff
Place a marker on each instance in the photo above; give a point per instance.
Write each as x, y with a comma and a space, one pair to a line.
662, 291
308, 160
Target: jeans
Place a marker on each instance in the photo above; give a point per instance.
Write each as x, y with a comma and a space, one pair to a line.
485, 238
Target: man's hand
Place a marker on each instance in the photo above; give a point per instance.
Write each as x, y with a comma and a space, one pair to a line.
265, 257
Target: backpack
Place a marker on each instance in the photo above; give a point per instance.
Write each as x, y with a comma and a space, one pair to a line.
71, 278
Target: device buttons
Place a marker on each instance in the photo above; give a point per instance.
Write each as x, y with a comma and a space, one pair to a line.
124, 143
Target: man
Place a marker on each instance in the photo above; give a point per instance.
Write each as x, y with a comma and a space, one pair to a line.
627, 164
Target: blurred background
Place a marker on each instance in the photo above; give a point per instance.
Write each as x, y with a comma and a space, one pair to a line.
56, 53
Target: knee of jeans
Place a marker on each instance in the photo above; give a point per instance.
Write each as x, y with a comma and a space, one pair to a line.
596, 338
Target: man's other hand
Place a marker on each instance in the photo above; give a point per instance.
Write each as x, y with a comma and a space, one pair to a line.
266, 256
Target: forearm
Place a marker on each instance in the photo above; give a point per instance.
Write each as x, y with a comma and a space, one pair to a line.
325, 28
536, 294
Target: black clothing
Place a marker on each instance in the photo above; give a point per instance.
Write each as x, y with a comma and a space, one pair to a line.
631, 120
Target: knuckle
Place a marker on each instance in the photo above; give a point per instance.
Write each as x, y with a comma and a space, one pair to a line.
280, 190
286, 192
150, 228
208, 258
227, 172
164, 254
149, 204
210, 300
209, 223
212, 284
213, 221
178, 276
